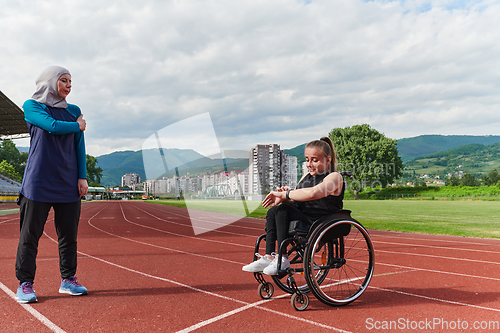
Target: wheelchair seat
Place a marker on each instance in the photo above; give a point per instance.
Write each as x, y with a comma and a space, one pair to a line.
300, 228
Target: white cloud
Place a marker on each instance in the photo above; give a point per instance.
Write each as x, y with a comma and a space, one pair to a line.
265, 70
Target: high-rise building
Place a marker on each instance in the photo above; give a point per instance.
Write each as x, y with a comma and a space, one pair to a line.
291, 171
131, 179
269, 168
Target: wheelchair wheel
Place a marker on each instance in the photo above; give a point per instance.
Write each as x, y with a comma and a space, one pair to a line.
265, 290
300, 301
347, 260
296, 256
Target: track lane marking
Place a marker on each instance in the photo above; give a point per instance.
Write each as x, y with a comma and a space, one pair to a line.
435, 299
40, 317
216, 216
435, 240
374, 239
440, 257
437, 247
246, 304
441, 272
175, 234
387, 290
190, 226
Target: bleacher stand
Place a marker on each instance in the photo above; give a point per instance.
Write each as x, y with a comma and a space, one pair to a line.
9, 186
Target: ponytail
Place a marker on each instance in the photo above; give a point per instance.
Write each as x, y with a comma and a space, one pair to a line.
326, 145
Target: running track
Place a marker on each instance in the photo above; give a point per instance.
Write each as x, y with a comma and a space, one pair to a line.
146, 271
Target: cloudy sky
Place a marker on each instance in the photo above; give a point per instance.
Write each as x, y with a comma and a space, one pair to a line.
270, 71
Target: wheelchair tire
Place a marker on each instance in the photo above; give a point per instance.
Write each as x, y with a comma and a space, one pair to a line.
300, 302
265, 290
348, 262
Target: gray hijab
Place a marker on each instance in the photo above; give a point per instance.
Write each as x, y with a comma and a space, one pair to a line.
46, 87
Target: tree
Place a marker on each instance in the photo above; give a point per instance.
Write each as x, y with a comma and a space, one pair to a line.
94, 173
371, 156
9, 171
10, 153
468, 180
453, 181
492, 178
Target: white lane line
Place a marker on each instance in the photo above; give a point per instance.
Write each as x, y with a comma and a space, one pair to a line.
180, 235
436, 247
425, 237
9, 220
374, 239
255, 305
440, 272
209, 321
208, 221
440, 257
40, 317
246, 304
175, 234
392, 265
190, 226
219, 216
224, 315
435, 299
163, 247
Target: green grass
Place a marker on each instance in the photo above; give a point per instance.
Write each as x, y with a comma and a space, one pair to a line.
8, 211
458, 218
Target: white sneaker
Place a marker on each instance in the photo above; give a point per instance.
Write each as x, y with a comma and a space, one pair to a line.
258, 265
272, 269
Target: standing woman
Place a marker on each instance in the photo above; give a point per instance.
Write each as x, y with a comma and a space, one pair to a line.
55, 177
319, 193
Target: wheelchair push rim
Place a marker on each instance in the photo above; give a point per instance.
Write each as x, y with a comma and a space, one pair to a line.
349, 262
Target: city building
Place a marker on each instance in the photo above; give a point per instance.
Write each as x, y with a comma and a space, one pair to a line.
291, 171
130, 179
270, 168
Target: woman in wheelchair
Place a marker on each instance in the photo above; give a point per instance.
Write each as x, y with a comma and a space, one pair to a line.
319, 193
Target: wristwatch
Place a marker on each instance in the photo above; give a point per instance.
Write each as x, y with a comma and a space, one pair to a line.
288, 194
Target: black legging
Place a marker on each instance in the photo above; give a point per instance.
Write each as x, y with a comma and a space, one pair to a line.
277, 222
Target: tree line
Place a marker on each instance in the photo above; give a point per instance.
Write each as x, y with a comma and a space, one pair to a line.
13, 162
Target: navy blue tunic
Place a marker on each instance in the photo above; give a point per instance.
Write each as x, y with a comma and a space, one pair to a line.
52, 169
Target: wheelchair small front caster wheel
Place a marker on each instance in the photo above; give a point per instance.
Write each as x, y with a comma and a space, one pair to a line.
300, 301
266, 290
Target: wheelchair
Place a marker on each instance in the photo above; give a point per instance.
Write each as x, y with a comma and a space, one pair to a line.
333, 259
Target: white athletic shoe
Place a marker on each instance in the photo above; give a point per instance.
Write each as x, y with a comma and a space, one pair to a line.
258, 265
272, 269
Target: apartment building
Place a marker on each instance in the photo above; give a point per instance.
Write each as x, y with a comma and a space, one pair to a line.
130, 179
270, 168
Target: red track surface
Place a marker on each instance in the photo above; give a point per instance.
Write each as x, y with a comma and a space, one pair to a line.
8, 205
146, 271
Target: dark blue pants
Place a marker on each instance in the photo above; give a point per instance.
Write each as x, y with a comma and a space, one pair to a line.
33, 217
277, 222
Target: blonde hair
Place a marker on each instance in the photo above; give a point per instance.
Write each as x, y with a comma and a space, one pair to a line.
326, 146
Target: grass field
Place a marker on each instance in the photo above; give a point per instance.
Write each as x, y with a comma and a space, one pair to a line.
459, 218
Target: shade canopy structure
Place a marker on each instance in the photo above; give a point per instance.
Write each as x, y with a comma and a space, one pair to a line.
12, 123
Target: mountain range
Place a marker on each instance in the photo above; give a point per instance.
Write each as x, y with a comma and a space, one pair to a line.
411, 148
174, 161
116, 164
